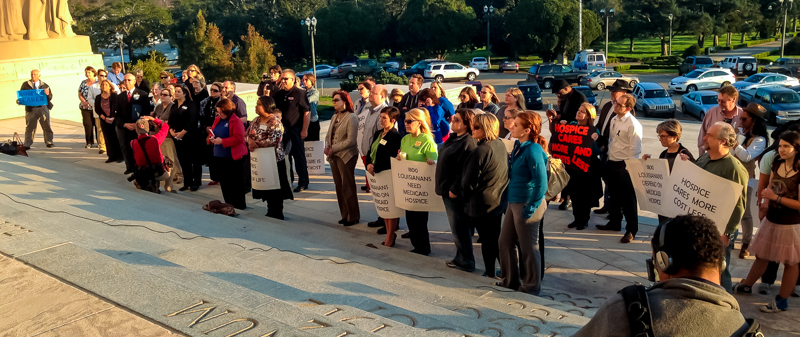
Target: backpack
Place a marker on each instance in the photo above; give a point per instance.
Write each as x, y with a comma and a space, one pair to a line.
146, 175
557, 177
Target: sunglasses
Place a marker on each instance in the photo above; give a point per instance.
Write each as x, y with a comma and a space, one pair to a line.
214, 90
101, 75
409, 121
164, 77
462, 96
336, 100
164, 95
475, 127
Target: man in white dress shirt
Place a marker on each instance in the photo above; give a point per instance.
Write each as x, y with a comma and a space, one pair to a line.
625, 142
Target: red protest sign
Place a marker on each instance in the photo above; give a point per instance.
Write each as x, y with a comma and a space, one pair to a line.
573, 145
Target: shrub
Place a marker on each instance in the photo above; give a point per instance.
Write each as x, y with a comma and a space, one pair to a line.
763, 61
761, 55
612, 60
793, 46
622, 67
152, 66
693, 50
382, 77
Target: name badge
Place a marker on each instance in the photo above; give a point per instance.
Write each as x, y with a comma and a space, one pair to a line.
291, 98
184, 107
263, 127
382, 142
136, 96
226, 125
418, 144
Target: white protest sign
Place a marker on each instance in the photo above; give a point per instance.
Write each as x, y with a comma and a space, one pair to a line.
693, 190
264, 169
383, 195
315, 157
649, 178
509, 144
414, 186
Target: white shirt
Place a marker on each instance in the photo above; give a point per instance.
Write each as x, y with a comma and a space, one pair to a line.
625, 138
95, 90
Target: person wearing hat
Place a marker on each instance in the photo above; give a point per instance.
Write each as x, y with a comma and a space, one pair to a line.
620, 87
753, 139
569, 102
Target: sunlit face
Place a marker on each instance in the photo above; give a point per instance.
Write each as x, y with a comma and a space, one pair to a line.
106, 87
215, 91
726, 103
435, 89
130, 81
338, 103
463, 98
517, 130
711, 140
287, 81
179, 94
581, 115
511, 100
139, 78
275, 75
412, 125
477, 131
397, 98
227, 89
307, 83
457, 124
616, 94
413, 86
786, 150
386, 122
375, 97
34, 76
620, 107
363, 91
486, 95
164, 79
166, 98
89, 74
221, 113
508, 120
101, 75
665, 138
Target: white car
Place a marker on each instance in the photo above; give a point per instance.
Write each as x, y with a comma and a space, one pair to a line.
447, 71
763, 79
323, 70
480, 63
700, 79
746, 65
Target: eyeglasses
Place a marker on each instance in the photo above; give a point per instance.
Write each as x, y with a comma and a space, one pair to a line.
409, 121
192, 71
663, 136
744, 118
336, 100
361, 88
101, 75
286, 79
214, 90
462, 96
164, 95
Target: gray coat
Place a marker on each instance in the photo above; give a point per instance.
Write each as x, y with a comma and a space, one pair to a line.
344, 144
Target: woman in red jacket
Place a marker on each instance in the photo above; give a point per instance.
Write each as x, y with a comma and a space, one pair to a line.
227, 166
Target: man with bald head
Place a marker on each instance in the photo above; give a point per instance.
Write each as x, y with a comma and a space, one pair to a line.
131, 104
37, 113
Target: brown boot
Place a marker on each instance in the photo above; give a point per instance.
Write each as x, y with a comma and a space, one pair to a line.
743, 253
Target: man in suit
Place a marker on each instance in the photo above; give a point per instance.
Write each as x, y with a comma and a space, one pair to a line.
37, 113
131, 104
619, 88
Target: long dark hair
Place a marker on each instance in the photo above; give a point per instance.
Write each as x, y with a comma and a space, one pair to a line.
759, 129
792, 138
776, 135
269, 105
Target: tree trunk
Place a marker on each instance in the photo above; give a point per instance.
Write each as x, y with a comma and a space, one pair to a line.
729, 39
701, 40
663, 46
716, 40
743, 36
631, 48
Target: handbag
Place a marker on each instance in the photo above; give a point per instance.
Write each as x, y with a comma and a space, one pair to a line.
558, 178
14, 146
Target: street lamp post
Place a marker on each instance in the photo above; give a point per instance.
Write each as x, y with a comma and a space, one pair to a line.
121, 55
580, 25
670, 35
608, 14
785, 5
312, 30
487, 11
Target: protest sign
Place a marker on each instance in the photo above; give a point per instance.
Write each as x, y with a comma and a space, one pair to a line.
649, 178
33, 97
414, 186
692, 190
573, 145
383, 195
315, 157
264, 169
509, 144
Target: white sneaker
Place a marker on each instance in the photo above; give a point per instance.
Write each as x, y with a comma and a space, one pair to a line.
764, 288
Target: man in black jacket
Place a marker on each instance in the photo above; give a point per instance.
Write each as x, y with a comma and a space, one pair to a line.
270, 83
293, 103
409, 101
131, 104
37, 113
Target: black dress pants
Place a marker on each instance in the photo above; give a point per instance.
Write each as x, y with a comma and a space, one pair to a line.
88, 125
488, 228
622, 197
229, 174
418, 230
124, 138
112, 144
297, 155
189, 158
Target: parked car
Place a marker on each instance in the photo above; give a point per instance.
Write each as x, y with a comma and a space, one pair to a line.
789, 66
337, 72
746, 65
545, 73
599, 80
418, 68
590, 96
699, 102
652, 99
782, 104
532, 94
396, 62
763, 79
700, 79
361, 67
509, 65
480, 63
589, 59
323, 70
693, 63
441, 72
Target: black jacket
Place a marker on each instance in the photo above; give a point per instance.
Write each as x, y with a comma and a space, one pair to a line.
452, 159
385, 152
268, 85
129, 112
485, 179
570, 105
145, 85
184, 117
27, 85
112, 104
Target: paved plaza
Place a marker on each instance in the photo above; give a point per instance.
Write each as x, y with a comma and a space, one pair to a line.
83, 253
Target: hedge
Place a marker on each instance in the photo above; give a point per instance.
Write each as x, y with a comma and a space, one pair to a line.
761, 55
381, 77
622, 67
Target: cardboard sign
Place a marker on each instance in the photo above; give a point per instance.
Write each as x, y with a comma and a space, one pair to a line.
383, 195
509, 144
414, 186
33, 97
264, 169
315, 156
649, 178
573, 145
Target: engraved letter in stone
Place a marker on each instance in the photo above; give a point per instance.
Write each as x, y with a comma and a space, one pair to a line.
199, 319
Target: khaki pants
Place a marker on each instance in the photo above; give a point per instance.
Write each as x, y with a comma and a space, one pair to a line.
167, 181
101, 141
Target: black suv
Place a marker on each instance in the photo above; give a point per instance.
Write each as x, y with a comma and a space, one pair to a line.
788, 66
532, 94
694, 62
545, 73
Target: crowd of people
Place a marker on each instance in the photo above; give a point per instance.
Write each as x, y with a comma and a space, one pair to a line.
166, 132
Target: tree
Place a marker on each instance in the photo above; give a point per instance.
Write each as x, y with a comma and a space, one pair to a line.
152, 66
436, 27
254, 57
342, 30
140, 22
203, 46
650, 18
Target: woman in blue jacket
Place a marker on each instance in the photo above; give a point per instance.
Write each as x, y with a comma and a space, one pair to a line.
440, 128
526, 206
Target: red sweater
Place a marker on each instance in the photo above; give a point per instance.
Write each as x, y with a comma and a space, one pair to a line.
236, 139
153, 145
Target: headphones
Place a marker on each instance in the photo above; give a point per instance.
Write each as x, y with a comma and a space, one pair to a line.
663, 261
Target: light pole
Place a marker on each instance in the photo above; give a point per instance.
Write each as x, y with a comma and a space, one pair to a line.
312, 30
580, 25
670, 35
608, 14
785, 5
121, 55
487, 11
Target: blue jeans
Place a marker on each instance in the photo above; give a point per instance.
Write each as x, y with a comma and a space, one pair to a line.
725, 278
462, 233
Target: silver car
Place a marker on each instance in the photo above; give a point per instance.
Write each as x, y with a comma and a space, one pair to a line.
699, 102
599, 80
323, 70
764, 79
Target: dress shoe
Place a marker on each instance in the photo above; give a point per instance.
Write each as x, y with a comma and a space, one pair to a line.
567, 204
50, 145
194, 188
394, 239
406, 235
376, 223
365, 188
602, 210
102, 152
110, 160
212, 183
420, 252
120, 160
382, 230
275, 216
627, 238
573, 224
743, 253
452, 264
342, 221
183, 188
582, 227
349, 223
127, 172
610, 226
300, 189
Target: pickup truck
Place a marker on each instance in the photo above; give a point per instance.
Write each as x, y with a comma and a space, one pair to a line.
788, 66
782, 104
545, 74
361, 67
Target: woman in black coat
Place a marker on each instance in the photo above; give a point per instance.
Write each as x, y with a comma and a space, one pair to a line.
183, 128
385, 146
105, 107
452, 160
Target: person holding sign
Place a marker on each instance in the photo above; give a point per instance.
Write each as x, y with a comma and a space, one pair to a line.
266, 130
385, 145
342, 151
483, 186
717, 142
40, 113
418, 145
778, 238
669, 133
584, 187
452, 161
526, 206
753, 139
229, 149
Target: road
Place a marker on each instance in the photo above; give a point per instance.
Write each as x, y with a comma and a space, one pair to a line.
757, 49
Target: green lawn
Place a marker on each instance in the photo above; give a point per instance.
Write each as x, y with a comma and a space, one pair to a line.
652, 71
773, 58
652, 46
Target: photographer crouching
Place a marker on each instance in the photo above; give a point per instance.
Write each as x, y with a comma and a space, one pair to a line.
150, 165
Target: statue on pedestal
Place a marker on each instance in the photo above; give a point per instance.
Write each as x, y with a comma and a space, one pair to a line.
58, 19
34, 20
11, 26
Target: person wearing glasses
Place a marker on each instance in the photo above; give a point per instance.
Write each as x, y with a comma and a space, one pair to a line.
468, 98
162, 112
726, 111
341, 148
131, 104
310, 83
266, 131
192, 71
229, 92
166, 78
270, 82
509, 115
753, 139
514, 100
384, 147
669, 134
183, 128
230, 154
104, 106
489, 100
86, 94
418, 145
207, 113
293, 104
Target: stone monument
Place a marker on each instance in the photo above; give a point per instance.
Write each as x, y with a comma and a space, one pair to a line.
37, 34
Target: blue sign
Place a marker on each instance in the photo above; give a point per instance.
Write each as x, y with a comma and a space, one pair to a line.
34, 97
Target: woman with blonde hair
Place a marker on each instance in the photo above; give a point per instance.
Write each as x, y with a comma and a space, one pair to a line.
437, 89
514, 100
418, 145
585, 188
468, 98
483, 186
